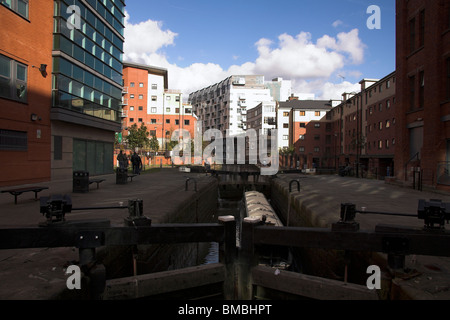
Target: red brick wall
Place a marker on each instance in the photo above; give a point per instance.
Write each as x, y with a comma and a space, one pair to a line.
429, 58
28, 42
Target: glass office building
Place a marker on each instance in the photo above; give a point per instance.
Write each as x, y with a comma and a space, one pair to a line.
87, 82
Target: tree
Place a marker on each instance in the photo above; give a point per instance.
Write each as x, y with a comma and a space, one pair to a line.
137, 137
154, 143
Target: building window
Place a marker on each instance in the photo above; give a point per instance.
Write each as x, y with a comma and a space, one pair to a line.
388, 84
387, 144
154, 98
131, 119
154, 86
380, 107
131, 108
380, 144
141, 84
317, 113
177, 110
380, 125
152, 133
131, 84
412, 34
301, 137
168, 98
141, 108
131, 96
286, 125
168, 121
139, 119
141, 96
301, 149
285, 137
316, 125
186, 122
388, 124
412, 92
388, 104
285, 114
302, 113
421, 89
302, 125
316, 149
177, 122
167, 109
18, 6
153, 110
13, 79
13, 140
422, 28
153, 121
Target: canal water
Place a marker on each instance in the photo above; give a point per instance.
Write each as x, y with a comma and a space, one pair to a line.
226, 207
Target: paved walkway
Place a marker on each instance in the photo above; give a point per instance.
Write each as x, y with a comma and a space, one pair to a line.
322, 195
39, 273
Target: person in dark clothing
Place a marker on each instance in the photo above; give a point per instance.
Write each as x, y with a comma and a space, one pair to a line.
137, 163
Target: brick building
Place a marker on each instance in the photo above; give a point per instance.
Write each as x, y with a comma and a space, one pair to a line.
360, 131
423, 91
148, 100
301, 124
25, 91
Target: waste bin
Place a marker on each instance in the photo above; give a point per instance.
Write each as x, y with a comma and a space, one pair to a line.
121, 176
80, 181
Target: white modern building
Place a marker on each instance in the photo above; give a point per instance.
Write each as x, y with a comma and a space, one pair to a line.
224, 105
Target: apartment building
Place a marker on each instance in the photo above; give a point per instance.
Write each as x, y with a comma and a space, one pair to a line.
379, 125
25, 91
224, 105
301, 125
362, 129
423, 92
148, 101
87, 85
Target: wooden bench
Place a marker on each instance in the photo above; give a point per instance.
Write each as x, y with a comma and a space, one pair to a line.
19, 191
131, 176
97, 181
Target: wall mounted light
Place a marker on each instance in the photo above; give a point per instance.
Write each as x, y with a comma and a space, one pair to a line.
42, 69
34, 117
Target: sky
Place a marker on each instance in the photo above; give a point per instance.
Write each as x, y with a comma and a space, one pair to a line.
324, 47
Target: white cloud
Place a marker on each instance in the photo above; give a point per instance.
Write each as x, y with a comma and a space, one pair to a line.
136, 33
337, 23
309, 64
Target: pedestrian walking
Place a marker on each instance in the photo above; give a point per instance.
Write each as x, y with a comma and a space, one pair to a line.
136, 162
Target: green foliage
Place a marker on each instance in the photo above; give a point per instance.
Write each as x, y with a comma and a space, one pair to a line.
137, 137
154, 143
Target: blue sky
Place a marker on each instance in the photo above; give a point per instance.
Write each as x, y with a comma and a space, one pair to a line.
209, 39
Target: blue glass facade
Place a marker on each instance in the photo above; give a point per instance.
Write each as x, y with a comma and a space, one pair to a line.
87, 59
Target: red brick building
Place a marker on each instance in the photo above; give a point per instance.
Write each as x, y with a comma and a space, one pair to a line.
147, 100
423, 91
25, 91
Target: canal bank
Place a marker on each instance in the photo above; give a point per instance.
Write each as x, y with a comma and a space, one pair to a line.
318, 205
39, 274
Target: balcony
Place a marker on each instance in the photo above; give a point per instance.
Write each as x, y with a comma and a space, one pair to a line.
125, 90
124, 114
124, 102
